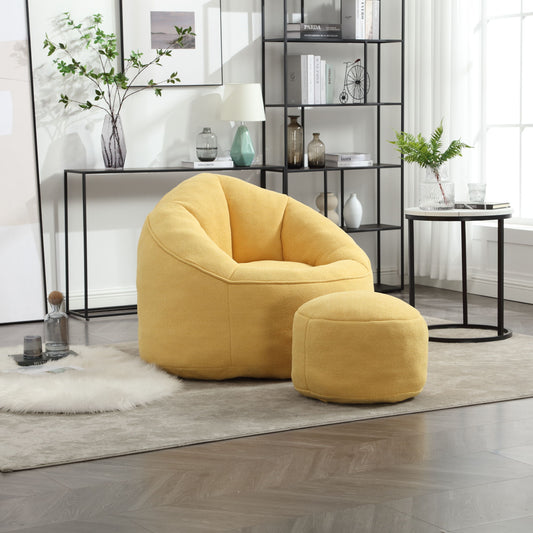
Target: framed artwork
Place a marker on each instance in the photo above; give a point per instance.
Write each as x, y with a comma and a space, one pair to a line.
147, 25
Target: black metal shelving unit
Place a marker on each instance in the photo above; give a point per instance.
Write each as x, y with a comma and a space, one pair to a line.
339, 173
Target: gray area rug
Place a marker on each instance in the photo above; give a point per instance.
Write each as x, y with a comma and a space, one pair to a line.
459, 375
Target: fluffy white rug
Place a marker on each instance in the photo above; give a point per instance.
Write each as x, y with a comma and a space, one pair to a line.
100, 379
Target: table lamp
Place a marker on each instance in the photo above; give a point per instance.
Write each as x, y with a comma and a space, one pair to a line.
243, 102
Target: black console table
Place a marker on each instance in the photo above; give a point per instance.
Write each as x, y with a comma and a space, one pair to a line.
463, 216
86, 312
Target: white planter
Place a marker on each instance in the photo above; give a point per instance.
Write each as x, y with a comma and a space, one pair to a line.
353, 212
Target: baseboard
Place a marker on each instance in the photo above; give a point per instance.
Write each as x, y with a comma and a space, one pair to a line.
389, 276
109, 297
514, 289
484, 285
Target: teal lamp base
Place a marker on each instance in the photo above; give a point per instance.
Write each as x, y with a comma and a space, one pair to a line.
242, 150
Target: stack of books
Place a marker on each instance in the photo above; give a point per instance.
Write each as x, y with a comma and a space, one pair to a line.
297, 30
349, 159
485, 205
222, 162
310, 80
360, 19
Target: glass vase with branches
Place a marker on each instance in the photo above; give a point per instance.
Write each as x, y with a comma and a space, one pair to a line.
111, 86
429, 154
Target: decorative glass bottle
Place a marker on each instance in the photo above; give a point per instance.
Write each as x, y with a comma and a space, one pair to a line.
295, 143
56, 328
206, 145
316, 152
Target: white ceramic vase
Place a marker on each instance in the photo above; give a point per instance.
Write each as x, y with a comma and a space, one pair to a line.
353, 212
333, 202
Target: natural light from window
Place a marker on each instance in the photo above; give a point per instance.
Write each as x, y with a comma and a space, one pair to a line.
508, 105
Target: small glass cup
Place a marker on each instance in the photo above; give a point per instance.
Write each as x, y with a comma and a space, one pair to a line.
476, 193
33, 346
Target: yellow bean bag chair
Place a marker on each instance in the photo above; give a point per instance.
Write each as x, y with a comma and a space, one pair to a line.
223, 265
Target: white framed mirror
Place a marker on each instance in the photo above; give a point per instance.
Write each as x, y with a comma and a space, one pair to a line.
22, 286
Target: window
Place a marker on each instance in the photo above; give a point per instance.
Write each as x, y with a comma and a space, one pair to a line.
508, 103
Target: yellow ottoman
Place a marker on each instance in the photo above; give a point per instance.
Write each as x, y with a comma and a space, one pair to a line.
359, 347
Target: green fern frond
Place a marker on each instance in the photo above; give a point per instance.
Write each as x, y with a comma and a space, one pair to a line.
416, 149
454, 150
436, 136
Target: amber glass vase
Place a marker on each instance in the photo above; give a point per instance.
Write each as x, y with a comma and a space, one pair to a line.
316, 152
295, 143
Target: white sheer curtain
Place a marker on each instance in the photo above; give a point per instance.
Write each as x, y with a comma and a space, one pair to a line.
443, 81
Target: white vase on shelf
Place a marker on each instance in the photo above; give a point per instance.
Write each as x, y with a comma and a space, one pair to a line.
353, 211
333, 202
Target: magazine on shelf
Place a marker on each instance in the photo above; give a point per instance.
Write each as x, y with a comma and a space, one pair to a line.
314, 31
349, 156
317, 77
330, 84
307, 80
323, 83
317, 35
217, 163
360, 19
486, 205
348, 164
320, 27
360, 30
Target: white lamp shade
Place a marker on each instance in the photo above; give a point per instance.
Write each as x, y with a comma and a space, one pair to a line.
243, 102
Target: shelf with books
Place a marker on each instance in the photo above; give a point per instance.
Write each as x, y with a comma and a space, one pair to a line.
375, 100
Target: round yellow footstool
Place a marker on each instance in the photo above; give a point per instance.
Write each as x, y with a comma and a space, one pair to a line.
359, 347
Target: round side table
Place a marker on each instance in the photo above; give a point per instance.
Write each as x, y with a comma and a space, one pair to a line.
463, 216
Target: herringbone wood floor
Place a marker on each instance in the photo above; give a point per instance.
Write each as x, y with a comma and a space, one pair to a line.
462, 470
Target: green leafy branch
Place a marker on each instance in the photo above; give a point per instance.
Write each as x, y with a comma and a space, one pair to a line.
111, 86
416, 149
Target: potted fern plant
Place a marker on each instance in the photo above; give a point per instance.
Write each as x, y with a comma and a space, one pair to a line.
437, 190
111, 87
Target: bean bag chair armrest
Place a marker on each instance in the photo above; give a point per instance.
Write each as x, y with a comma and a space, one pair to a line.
179, 234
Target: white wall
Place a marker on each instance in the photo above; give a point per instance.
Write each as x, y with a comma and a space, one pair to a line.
161, 132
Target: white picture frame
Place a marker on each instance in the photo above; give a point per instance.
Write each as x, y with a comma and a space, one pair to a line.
144, 24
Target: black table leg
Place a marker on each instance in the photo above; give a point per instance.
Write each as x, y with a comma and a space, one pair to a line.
500, 277
411, 263
464, 273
